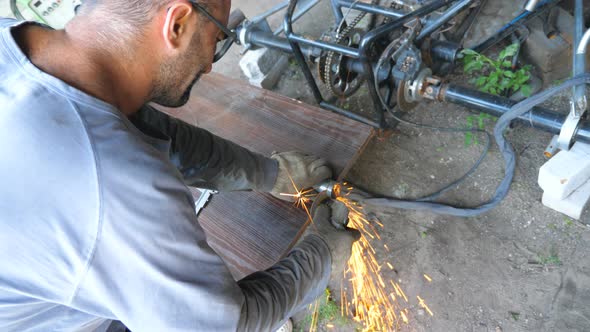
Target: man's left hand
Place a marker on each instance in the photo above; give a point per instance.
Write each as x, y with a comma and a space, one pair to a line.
298, 171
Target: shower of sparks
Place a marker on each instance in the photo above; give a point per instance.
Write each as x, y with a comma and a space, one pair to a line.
374, 303
371, 304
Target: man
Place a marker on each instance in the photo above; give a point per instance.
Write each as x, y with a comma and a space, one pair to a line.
97, 223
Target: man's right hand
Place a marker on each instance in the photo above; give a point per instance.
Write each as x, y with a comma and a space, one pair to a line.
329, 222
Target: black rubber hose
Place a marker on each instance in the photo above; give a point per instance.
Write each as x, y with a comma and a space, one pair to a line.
507, 153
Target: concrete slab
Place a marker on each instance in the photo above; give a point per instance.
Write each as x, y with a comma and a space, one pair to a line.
566, 172
264, 67
573, 205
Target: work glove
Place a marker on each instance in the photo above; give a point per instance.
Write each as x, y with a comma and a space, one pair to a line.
329, 222
298, 170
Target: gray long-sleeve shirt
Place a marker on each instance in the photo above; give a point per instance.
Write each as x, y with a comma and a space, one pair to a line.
96, 223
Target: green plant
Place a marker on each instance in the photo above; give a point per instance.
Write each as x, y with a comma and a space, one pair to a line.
550, 259
568, 222
326, 311
423, 234
497, 76
470, 137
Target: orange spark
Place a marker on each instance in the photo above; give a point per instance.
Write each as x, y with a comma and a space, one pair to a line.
427, 278
423, 305
404, 317
302, 197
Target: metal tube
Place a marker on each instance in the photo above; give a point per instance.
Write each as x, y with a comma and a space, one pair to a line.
538, 117
349, 114
517, 22
579, 61
369, 8
444, 51
304, 9
288, 24
444, 18
337, 10
269, 12
266, 39
344, 50
372, 35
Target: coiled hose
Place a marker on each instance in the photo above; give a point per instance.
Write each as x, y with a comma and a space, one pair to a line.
505, 148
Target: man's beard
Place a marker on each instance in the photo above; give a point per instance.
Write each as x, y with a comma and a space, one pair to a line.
167, 96
187, 93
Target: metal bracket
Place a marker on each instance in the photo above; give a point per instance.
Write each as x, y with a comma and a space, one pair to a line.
578, 102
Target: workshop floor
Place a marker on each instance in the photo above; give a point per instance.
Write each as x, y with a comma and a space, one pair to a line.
520, 267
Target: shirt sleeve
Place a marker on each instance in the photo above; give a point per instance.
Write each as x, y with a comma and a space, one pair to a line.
7, 22
152, 269
208, 161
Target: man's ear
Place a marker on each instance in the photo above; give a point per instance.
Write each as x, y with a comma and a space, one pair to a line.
176, 27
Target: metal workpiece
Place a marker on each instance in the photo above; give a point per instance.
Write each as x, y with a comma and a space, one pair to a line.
328, 187
335, 189
538, 117
578, 102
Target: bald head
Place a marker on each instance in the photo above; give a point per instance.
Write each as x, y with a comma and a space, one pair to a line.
159, 47
125, 18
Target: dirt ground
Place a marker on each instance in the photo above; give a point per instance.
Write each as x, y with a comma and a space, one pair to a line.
519, 267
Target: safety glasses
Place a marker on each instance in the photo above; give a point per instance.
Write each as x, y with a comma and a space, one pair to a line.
226, 41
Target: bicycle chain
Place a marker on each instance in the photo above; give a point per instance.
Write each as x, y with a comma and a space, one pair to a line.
326, 72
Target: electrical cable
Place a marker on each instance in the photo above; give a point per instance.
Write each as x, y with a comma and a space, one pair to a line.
390, 52
15, 11
504, 146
